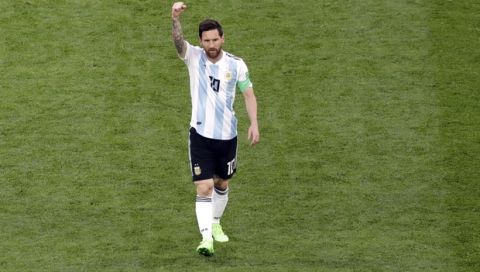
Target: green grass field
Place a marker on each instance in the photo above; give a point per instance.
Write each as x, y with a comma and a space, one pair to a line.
370, 124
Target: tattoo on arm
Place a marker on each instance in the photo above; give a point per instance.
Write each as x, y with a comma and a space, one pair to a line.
178, 36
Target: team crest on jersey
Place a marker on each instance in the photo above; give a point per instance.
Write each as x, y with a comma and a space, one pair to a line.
228, 76
197, 170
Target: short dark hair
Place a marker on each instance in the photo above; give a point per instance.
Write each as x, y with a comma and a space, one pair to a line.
209, 24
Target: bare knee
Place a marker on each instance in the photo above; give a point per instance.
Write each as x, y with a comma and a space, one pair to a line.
204, 187
221, 184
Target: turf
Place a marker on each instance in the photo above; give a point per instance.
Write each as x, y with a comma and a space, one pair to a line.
370, 121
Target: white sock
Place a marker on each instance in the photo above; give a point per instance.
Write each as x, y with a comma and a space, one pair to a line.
203, 209
220, 200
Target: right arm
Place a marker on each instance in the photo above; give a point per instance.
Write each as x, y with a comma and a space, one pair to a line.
177, 34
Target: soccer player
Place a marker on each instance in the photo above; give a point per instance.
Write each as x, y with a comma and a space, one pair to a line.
214, 76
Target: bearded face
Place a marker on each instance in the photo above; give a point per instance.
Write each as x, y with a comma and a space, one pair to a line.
213, 53
212, 43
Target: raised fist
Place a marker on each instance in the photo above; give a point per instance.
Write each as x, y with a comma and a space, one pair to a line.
177, 9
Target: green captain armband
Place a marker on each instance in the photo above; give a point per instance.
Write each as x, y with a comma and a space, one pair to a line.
243, 85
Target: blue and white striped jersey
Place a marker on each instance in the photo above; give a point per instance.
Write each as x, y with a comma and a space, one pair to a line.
212, 89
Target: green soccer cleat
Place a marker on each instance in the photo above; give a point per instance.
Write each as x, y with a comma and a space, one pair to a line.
205, 248
218, 234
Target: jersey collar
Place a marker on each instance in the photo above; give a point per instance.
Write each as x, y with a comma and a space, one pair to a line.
219, 61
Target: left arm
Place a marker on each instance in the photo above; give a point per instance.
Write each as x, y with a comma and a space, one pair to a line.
251, 105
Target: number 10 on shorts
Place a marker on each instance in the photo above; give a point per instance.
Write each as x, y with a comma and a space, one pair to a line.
231, 166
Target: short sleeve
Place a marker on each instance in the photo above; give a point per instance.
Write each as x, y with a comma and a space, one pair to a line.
243, 81
189, 52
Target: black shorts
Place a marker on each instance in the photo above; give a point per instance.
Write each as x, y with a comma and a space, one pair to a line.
210, 157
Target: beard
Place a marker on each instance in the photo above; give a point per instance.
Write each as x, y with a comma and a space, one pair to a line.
213, 53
